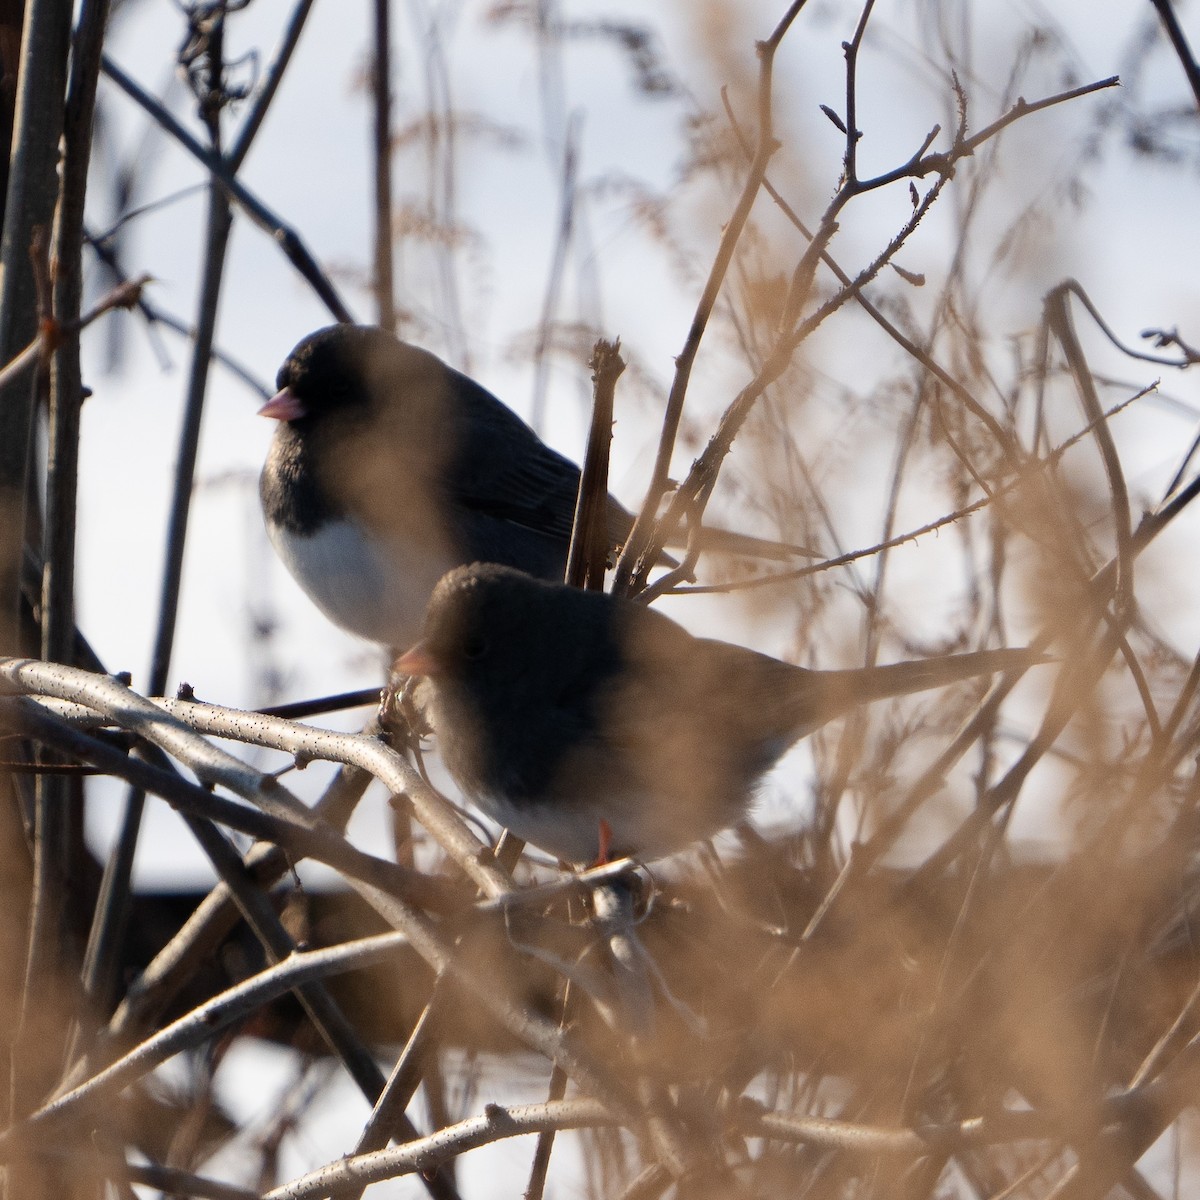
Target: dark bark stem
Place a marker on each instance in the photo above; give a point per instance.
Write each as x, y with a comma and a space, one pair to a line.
29, 204
385, 303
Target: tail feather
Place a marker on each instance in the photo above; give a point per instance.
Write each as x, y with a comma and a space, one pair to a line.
843, 690
713, 539
746, 545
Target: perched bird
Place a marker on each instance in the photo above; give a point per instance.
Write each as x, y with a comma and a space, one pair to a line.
576, 718
388, 468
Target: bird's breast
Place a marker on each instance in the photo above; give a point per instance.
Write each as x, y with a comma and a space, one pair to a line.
373, 587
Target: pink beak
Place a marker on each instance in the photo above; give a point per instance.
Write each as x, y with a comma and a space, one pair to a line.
283, 406
417, 661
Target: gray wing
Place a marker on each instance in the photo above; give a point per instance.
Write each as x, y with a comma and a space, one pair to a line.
501, 469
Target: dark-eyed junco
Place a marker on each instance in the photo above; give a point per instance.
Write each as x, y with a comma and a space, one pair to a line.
575, 718
388, 468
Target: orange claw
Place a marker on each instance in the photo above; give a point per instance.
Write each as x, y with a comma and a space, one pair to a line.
605, 841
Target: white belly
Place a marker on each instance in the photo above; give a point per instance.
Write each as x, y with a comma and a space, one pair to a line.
567, 835
570, 831
374, 589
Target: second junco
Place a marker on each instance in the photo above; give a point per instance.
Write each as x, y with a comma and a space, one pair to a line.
589, 724
388, 468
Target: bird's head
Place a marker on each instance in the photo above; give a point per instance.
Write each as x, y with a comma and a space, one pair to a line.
351, 372
476, 626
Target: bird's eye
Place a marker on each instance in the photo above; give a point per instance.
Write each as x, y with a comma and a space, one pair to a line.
474, 647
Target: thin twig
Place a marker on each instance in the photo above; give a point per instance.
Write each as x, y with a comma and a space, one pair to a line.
381, 90
565, 228
1179, 43
588, 554
638, 554
495, 1124
199, 1025
283, 235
